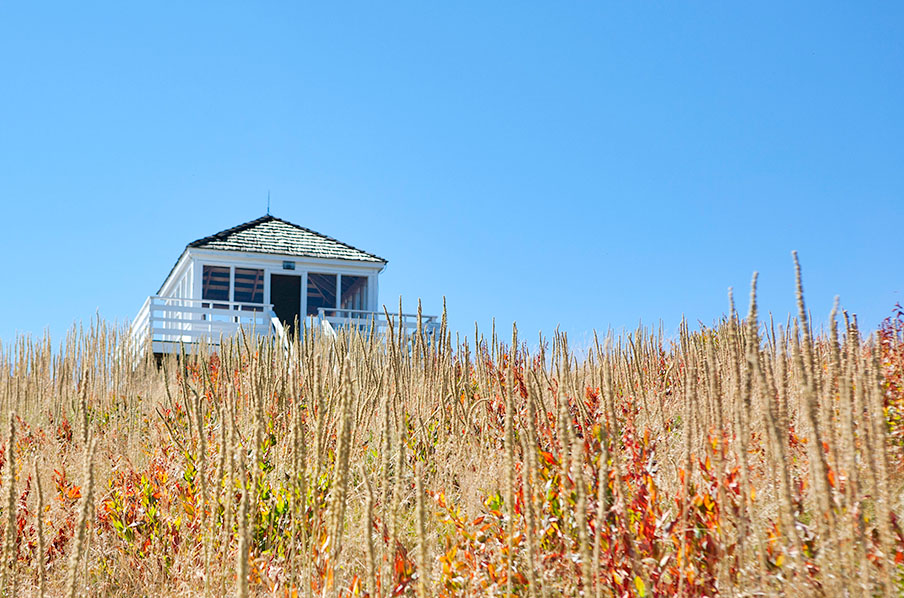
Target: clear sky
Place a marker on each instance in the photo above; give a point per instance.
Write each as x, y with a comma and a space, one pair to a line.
582, 164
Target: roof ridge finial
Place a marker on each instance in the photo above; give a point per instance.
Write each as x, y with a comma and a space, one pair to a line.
268, 202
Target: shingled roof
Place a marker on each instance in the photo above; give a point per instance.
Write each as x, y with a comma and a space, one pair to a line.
270, 234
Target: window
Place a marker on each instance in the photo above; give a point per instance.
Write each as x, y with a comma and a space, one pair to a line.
249, 287
321, 292
215, 285
354, 292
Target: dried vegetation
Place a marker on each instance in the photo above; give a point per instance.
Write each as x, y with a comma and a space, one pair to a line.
744, 459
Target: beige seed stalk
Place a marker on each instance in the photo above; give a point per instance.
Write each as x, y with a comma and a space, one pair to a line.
39, 530
424, 587
818, 464
242, 553
340, 474
8, 581
577, 460
527, 476
87, 505
874, 394
202, 474
83, 410
300, 476
229, 480
386, 481
774, 433
510, 461
602, 508
397, 488
369, 537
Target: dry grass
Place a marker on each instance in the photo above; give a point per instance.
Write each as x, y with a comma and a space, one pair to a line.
739, 460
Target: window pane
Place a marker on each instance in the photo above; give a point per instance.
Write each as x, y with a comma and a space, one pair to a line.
321, 292
354, 292
249, 285
215, 283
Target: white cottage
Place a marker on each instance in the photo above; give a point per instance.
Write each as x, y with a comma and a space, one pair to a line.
264, 275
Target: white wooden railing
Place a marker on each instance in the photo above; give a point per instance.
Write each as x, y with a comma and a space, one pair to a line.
362, 319
170, 321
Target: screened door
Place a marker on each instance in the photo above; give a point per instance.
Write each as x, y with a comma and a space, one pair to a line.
285, 295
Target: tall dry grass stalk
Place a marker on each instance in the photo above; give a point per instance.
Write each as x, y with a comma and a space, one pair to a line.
368, 536
84, 516
242, 553
746, 458
8, 579
424, 587
39, 529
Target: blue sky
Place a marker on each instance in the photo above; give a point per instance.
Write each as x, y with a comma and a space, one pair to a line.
588, 165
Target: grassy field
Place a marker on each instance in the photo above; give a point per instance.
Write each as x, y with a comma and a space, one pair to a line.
745, 459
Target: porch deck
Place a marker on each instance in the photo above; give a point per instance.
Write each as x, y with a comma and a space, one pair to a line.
169, 323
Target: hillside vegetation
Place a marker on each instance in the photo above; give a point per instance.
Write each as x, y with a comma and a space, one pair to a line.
744, 459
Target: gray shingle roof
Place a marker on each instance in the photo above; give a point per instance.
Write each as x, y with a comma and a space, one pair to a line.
270, 234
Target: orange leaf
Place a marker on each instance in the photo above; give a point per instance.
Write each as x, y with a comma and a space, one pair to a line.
549, 457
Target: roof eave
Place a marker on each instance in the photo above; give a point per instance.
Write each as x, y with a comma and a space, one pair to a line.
290, 256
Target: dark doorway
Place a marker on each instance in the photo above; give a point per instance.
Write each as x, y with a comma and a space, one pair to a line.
285, 295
